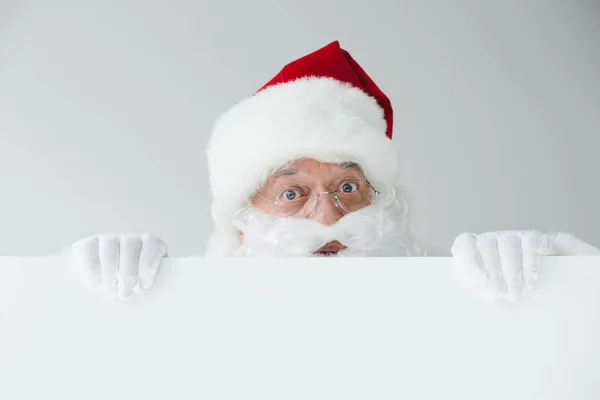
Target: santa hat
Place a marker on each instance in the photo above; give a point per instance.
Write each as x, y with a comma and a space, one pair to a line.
322, 106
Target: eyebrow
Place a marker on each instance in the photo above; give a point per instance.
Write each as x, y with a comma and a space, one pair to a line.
285, 171
348, 164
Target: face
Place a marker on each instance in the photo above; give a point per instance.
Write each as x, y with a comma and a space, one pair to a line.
322, 209
293, 191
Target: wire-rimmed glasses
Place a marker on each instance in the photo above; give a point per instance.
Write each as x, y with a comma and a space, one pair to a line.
300, 199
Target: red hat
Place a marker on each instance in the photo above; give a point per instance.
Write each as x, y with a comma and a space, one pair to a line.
334, 62
322, 106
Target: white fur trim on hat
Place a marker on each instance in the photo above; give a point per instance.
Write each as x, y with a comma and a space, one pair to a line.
318, 118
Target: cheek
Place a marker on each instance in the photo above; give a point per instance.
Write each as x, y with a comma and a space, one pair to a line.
261, 203
256, 201
264, 205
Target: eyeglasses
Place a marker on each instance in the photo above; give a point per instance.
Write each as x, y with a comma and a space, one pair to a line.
300, 199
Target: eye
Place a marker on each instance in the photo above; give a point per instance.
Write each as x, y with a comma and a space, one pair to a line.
291, 194
349, 187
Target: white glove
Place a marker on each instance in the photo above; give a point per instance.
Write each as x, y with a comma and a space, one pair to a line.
504, 265
119, 264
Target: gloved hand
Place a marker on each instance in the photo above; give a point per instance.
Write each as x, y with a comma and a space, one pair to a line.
504, 265
119, 264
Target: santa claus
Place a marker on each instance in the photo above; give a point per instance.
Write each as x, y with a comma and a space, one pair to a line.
305, 167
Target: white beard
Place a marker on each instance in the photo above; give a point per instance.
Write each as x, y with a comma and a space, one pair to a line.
378, 230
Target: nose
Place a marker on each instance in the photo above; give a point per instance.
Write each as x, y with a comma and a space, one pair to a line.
326, 212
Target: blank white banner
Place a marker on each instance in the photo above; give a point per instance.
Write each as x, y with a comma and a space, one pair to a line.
395, 328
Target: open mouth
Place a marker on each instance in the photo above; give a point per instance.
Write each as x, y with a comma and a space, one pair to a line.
330, 249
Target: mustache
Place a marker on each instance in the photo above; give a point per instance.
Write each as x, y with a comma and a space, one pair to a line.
372, 230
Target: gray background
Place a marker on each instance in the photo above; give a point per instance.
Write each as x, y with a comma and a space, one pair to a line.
106, 107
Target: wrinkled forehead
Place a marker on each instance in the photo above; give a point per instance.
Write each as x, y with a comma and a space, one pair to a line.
312, 171
316, 169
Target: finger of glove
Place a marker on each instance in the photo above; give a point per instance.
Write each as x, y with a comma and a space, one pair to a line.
471, 268
86, 258
534, 246
153, 250
566, 244
109, 254
487, 245
127, 276
511, 261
